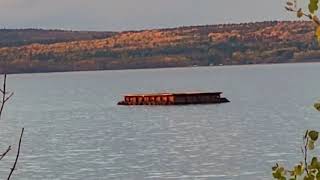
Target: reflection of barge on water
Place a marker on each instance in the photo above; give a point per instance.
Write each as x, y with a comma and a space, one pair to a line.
173, 99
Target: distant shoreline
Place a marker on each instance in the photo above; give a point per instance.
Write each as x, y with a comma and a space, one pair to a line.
172, 68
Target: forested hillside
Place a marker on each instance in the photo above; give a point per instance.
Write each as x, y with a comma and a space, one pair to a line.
19, 37
247, 43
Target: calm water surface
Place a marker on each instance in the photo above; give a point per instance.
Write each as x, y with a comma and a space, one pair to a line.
75, 130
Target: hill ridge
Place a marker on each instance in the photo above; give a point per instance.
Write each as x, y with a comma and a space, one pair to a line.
243, 43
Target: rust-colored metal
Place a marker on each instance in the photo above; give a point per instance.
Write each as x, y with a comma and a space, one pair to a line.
174, 98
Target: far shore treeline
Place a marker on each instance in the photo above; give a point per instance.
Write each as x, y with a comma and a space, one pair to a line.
34, 50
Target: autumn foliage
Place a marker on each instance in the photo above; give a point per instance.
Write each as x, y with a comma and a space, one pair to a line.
246, 43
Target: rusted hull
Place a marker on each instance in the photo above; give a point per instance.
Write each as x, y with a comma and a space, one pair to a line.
173, 99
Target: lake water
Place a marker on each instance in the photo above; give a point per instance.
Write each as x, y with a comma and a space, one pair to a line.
75, 130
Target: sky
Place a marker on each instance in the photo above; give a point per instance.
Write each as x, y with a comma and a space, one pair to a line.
119, 15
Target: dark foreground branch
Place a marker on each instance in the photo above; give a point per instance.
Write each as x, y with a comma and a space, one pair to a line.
306, 142
5, 153
17, 157
5, 95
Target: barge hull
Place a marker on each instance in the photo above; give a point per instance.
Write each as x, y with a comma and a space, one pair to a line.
173, 99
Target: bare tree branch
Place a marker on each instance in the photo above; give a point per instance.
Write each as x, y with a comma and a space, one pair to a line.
3, 92
4, 100
7, 98
5, 153
17, 157
4, 97
306, 155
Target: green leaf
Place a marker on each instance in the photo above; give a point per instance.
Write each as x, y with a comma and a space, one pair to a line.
313, 135
313, 6
317, 105
298, 170
314, 163
311, 145
277, 175
283, 178
309, 177
318, 175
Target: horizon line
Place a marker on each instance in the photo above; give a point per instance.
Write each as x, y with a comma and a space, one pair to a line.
146, 29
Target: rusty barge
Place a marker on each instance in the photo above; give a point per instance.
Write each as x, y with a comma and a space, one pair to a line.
174, 98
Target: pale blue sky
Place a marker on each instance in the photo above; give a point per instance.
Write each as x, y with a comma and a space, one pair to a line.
117, 15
